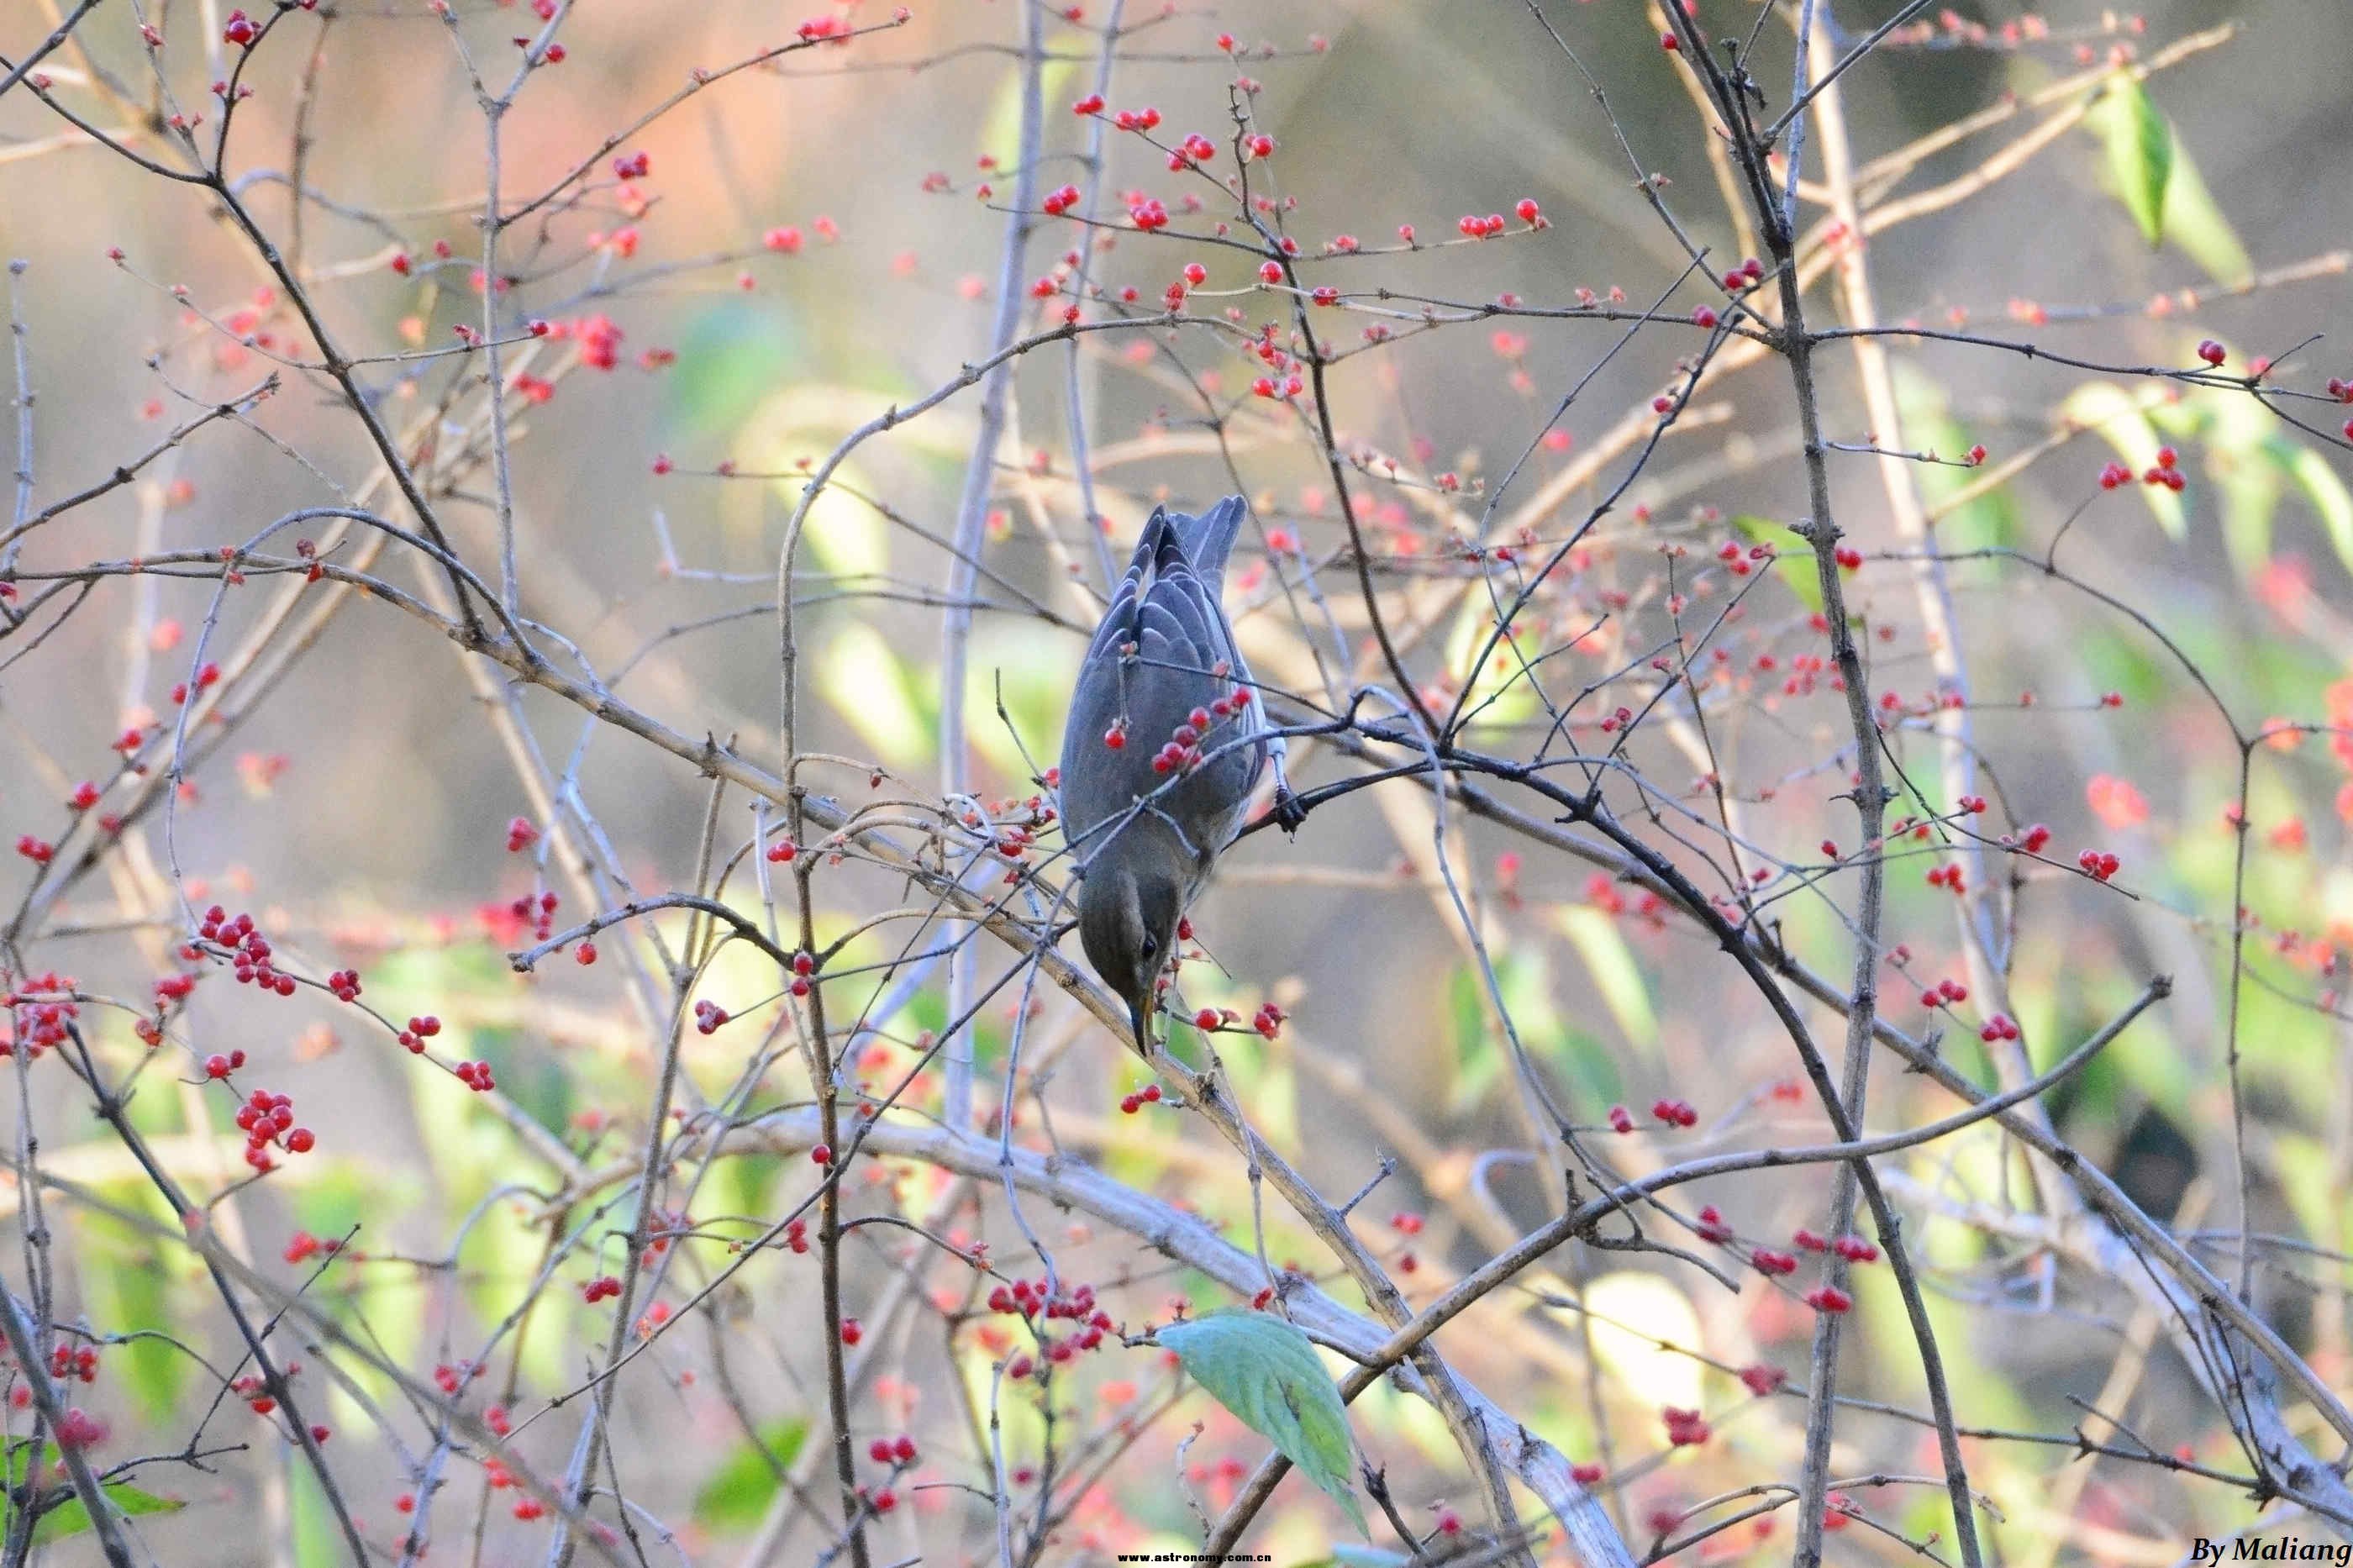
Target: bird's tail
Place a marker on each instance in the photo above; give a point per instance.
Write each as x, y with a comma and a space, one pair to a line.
1208, 539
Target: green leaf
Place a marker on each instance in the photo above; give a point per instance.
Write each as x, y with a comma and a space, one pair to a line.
1477, 1053
1058, 83
2194, 223
2246, 473
738, 1493
1611, 961
1267, 1373
1987, 518
1502, 692
2140, 145
729, 356
1793, 557
131, 1281
72, 1515
862, 676
2329, 497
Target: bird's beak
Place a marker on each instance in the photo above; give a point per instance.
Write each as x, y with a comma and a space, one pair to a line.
1142, 1018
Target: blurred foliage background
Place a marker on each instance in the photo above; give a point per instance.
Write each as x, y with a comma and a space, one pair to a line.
360, 810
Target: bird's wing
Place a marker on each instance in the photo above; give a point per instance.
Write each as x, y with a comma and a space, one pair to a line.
1162, 650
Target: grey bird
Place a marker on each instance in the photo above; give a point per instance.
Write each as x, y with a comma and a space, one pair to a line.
1168, 740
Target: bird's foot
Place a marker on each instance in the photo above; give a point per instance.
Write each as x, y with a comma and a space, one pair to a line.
1287, 811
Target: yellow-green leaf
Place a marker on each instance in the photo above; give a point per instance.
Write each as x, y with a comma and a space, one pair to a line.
738, 1492
868, 684
1793, 558
1611, 961
2329, 497
1267, 1373
2193, 222
2139, 147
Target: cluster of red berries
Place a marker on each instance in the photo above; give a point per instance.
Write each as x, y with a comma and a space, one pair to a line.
636, 166
1148, 1094
1943, 993
1148, 213
537, 913
1057, 203
1998, 1027
218, 1066
207, 677
1183, 749
804, 966
67, 1361
1828, 1299
240, 30
1762, 1380
900, 1450
1675, 1112
709, 1017
2098, 864
419, 1030
248, 950
1191, 152
598, 1289
782, 852
1853, 1249
265, 1119
2166, 471
1032, 1299
450, 1378
1685, 1428
255, 1390
1741, 559
1947, 877
302, 1246
1268, 1019
345, 984
600, 341
475, 1075
2032, 839
1471, 226
41, 1021
521, 833
77, 1428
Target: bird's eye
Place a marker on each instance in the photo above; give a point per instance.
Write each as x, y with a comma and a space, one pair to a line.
1150, 946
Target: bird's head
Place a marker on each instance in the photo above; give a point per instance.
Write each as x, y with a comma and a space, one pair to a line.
1128, 910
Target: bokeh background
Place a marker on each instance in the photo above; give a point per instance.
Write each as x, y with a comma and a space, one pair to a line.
361, 809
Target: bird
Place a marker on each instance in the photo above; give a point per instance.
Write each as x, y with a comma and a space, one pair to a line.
1167, 743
